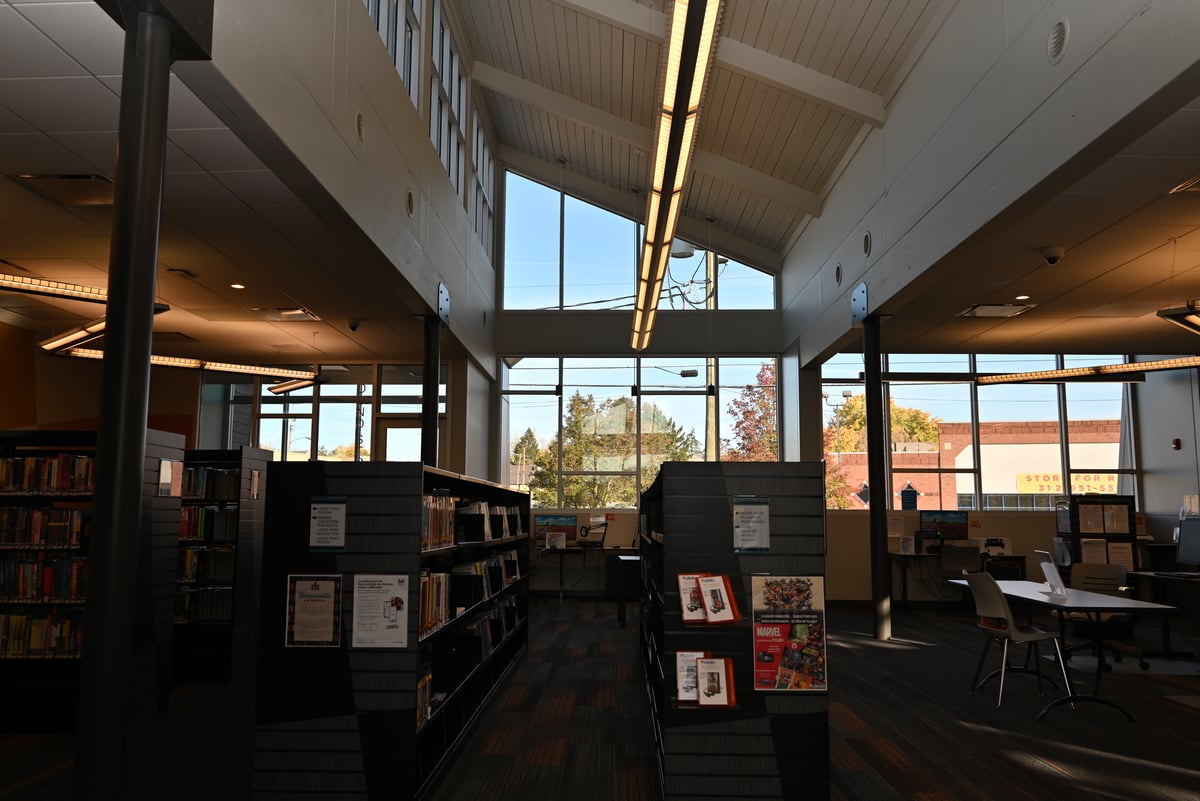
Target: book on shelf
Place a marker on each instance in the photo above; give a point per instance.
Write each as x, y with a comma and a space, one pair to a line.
434, 602
473, 521
424, 690
60, 473
691, 602
715, 677
437, 521
686, 685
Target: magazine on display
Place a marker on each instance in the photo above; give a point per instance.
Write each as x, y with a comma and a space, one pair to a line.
686, 685
715, 677
691, 604
789, 633
719, 603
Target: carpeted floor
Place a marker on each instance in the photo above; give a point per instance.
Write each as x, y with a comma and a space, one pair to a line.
571, 721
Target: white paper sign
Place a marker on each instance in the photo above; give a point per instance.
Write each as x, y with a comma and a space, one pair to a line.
327, 524
380, 611
751, 524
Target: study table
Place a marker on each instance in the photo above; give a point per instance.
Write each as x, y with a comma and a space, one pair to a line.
1092, 604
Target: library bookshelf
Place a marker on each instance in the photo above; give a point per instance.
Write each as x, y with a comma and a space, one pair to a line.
46, 499
395, 602
222, 495
763, 744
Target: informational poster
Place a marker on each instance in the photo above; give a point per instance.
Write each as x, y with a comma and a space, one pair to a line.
380, 611
557, 531
327, 524
751, 524
789, 633
314, 611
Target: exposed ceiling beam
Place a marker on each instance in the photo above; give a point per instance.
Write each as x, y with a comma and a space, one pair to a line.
633, 206
753, 63
723, 169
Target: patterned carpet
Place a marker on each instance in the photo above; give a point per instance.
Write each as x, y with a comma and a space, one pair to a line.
571, 722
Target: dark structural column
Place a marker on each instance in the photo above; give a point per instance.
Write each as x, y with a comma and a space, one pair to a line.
124, 401
430, 375
881, 569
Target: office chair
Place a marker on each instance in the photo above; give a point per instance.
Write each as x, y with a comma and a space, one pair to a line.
1108, 580
996, 621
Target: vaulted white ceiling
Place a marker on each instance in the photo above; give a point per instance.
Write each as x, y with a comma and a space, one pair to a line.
568, 90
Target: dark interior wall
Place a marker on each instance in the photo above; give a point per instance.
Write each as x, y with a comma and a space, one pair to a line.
55, 392
18, 401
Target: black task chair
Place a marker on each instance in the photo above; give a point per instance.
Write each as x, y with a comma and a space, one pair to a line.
1108, 580
996, 621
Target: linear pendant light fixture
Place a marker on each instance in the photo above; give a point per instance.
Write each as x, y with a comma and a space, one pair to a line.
687, 56
52, 289
1098, 371
203, 364
1187, 317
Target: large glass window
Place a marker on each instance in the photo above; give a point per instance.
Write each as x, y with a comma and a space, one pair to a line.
447, 100
485, 182
596, 266
400, 31
599, 257
531, 244
970, 446
617, 420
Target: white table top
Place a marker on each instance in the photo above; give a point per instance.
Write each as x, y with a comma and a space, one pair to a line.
1075, 600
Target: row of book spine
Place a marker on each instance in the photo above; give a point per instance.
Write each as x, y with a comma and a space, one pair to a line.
201, 564
64, 472
437, 521
212, 483
52, 633
43, 580
208, 524
40, 527
204, 605
490, 631
434, 602
447, 521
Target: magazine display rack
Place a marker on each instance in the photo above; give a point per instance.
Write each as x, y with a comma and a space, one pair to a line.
752, 744
395, 602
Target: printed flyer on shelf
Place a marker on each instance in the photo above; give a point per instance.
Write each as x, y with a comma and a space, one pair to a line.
789, 633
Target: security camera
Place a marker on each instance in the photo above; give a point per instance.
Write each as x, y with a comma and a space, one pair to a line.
1053, 255
354, 324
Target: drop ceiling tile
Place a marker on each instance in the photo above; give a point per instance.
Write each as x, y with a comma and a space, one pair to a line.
258, 188
184, 190
34, 153
25, 52
11, 123
62, 104
92, 38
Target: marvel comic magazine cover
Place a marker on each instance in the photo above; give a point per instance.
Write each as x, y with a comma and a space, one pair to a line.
789, 633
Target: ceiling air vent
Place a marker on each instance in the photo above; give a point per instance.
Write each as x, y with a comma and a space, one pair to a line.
71, 191
996, 310
1056, 44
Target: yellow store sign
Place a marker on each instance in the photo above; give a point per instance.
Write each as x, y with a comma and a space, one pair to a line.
1053, 483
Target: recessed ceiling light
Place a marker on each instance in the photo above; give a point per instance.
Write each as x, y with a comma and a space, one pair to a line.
237, 286
1021, 297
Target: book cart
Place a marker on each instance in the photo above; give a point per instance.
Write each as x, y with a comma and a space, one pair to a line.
395, 602
223, 493
46, 497
761, 742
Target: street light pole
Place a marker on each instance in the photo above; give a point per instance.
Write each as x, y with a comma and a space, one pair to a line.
837, 420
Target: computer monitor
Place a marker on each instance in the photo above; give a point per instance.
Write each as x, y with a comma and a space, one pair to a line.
1187, 552
947, 524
